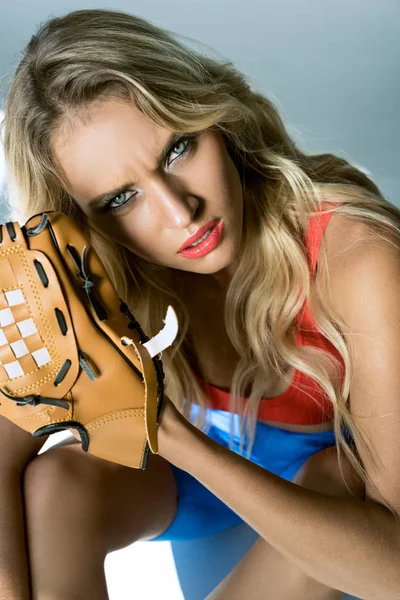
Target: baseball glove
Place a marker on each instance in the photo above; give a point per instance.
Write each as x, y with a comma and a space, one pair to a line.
72, 355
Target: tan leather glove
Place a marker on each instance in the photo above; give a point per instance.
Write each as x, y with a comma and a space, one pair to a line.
72, 355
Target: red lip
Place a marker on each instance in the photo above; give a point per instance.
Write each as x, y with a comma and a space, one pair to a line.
198, 234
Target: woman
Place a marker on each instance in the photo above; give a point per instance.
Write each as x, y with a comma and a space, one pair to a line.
283, 319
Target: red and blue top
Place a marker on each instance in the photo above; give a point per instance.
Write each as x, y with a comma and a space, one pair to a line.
294, 406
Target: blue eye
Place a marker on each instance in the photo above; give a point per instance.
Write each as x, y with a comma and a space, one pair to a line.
122, 204
189, 141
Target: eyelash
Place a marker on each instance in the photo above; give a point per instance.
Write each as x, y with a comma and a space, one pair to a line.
191, 141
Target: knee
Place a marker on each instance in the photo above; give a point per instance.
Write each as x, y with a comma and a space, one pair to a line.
321, 473
62, 484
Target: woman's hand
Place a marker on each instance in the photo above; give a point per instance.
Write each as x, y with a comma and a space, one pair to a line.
173, 430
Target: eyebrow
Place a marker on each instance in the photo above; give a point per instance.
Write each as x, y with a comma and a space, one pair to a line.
99, 200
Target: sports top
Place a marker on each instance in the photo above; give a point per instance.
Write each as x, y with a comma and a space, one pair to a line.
294, 406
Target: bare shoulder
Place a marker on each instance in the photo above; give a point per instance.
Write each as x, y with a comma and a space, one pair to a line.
356, 251
348, 239
346, 235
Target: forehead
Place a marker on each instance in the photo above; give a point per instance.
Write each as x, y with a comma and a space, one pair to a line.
110, 143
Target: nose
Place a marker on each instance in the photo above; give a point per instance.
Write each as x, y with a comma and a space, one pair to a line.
172, 202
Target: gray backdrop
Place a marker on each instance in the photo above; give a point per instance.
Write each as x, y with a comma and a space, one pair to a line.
331, 68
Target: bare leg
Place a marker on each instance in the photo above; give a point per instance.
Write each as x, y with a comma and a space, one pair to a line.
78, 508
264, 573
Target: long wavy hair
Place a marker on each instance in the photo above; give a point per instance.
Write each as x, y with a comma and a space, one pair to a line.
90, 55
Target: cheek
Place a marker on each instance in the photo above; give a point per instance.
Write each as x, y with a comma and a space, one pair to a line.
120, 230
127, 233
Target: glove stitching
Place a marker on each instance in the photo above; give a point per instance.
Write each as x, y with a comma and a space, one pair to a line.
136, 412
12, 250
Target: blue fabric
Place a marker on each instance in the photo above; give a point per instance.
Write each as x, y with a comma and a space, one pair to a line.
200, 513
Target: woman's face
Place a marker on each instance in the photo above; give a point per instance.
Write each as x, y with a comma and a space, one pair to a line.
162, 204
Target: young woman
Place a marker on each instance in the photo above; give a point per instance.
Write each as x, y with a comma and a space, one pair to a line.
289, 312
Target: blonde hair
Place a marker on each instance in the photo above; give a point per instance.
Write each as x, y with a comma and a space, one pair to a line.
91, 55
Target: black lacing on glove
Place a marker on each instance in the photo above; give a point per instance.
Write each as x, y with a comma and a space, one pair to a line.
87, 283
35, 400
